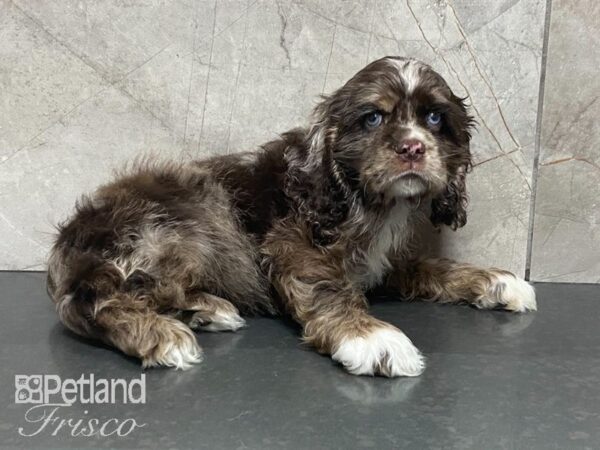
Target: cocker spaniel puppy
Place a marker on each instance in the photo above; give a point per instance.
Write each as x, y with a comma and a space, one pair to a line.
303, 226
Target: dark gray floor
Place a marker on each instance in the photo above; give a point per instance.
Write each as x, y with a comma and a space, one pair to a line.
494, 380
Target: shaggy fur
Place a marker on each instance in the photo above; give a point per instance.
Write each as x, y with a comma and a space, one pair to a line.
303, 226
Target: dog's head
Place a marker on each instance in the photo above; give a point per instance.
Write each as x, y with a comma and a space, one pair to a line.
396, 130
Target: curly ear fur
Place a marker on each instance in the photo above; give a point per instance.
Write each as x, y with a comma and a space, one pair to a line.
450, 207
315, 182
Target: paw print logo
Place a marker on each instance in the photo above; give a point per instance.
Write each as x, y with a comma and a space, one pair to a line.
28, 389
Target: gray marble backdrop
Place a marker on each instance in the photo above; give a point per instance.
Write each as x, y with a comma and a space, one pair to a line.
85, 86
566, 232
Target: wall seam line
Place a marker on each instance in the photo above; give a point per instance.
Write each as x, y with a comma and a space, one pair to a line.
538, 137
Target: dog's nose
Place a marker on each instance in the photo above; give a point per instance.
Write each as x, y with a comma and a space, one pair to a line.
411, 150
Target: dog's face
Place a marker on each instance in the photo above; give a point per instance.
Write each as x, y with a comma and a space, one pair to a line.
400, 129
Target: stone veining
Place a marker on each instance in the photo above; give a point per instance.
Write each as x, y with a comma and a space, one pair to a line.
210, 81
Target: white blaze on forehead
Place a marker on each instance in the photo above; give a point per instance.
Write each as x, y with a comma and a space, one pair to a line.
410, 71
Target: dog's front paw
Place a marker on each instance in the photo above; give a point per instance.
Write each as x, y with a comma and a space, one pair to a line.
384, 351
510, 293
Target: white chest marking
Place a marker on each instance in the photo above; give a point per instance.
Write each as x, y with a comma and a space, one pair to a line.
390, 237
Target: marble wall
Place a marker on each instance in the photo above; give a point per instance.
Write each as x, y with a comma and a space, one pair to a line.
566, 233
86, 86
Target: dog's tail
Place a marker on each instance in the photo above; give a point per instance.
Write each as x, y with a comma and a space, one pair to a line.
92, 303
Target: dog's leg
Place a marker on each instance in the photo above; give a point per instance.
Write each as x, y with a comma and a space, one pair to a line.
333, 312
207, 312
158, 340
447, 281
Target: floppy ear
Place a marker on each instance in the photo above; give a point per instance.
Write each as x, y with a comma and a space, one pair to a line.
450, 206
315, 182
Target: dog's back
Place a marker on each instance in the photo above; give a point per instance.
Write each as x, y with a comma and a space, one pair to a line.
166, 248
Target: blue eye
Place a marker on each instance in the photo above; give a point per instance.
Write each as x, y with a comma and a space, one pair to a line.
374, 119
433, 119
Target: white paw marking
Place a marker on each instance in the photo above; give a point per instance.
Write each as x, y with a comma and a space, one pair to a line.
179, 350
513, 293
221, 320
385, 351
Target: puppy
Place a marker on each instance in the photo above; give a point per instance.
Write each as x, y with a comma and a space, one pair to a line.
304, 226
